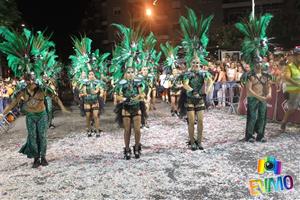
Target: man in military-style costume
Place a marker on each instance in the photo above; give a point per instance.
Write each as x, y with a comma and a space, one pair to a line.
258, 92
254, 48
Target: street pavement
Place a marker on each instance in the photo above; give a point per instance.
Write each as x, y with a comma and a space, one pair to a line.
94, 168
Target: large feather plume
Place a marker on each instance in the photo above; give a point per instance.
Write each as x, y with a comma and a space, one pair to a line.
195, 38
255, 44
26, 51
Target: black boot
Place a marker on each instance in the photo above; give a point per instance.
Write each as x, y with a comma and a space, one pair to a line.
36, 163
44, 161
176, 113
89, 132
200, 147
127, 153
98, 133
137, 150
172, 113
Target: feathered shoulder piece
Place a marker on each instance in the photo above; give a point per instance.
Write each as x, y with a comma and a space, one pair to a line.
255, 44
195, 38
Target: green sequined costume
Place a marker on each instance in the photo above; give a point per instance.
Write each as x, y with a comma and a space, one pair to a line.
36, 144
130, 89
196, 81
175, 81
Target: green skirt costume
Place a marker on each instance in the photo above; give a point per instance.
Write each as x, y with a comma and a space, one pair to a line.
36, 144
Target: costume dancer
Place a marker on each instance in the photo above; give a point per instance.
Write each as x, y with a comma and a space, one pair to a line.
28, 54
50, 79
254, 47
175, 80
194, 42
130, 90
92, 89
149, 69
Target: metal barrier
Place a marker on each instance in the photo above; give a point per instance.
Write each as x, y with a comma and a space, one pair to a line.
5, 125
231, 92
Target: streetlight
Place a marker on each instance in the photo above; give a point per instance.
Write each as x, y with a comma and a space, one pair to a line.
148, 12
149, 15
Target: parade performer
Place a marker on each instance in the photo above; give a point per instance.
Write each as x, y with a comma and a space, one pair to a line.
196, 80
91, 89
51, 73
130, 90
48, 102
26, 53
254, 47
149, 69
76, 83
292, 80
175, 80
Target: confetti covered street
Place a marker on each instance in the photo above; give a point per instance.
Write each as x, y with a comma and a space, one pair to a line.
94, 168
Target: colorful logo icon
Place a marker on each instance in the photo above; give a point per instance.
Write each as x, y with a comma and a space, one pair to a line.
269, 163
268, 184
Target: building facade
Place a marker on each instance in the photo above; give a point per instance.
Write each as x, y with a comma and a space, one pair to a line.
163, 21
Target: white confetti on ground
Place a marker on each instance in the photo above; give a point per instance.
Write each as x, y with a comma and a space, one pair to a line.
94, 168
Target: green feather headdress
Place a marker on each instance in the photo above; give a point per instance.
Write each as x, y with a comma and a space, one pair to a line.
83, 60
26, 51
255, 44
149, 55
170, 53
195, 39
127, 52
101, 63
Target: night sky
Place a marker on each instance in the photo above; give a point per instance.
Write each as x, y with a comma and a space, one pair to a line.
61, 19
